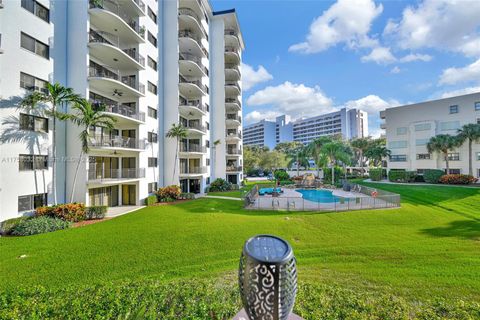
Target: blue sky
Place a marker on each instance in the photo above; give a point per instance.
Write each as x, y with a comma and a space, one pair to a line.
305, 58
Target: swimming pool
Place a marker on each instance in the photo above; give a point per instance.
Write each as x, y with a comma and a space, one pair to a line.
322, 196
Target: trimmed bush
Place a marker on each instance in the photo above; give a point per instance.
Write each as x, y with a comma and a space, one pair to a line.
410, 176
7, 226
433, 175
169, 193
186, 196
286, 182
457, 179
327, 175
396, 175
281, 175
376, 174
73, 212
95, 212
219, 185
39, 225
151, 200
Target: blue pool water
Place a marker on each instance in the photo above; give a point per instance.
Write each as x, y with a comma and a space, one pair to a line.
322, 196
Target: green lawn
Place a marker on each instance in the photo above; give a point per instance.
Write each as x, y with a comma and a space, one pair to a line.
239, 193
428, 248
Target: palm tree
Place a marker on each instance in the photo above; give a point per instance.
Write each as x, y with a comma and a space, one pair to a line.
377, 151
315, 150
58, 95
335, 151
298, 155
361, 145
443, 143
86, 116
471, 133
179, 132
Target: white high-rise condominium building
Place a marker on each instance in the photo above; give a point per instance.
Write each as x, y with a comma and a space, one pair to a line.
349, 123
409, 128
152, 64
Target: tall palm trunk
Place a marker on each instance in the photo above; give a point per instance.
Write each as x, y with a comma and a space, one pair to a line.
175, 164
54, 154
361, 163
470, 165
298, 167
75, 176
446, 162
333, 173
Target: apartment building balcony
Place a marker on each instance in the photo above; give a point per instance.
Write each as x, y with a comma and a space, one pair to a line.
123, 113
192, 107
233, 119
233, 104
234, 169
193, 148
190, 41
191, 65
192, 171
383, 125
237, 136
191, 87
109, 81
234, 152
188, 18
109, 176
232, 55
232, 88
231, 38
382, 115
232, 72
196, 128
107, 142
121, 17
105, 47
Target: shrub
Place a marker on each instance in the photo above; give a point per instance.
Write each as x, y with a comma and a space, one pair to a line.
327, 175
410, 176
457, 179
376, 174
169, 193
151, 200
39, 225
286, 182
433, 175
396, 175
95, 212
7, 226
219, 185
72, 212
281, 175
234, 187
186, 196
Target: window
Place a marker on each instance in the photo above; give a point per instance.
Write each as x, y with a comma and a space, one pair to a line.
31, 201
152, 63
478, 156
152, 88
152, 113
152, 15
207, 107
152, 39
152, 162
453, 109
29, 162
454, 171
398, 158
33, 123
423, 127
401, 131
207, 143
37, 9
208, 180
455, 156
208, 162
421, 142
31, 83
152, 187
207, 124
152, 137
449, 125
423, 156
35, 46
477, 106
397, 144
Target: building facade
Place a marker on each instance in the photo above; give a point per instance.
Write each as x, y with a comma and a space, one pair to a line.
349, 123
152, 64
409, 128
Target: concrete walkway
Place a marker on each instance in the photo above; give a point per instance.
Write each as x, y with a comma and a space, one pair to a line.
113, 212
222, 197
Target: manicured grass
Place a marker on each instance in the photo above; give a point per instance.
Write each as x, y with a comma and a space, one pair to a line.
428, 248
233, 194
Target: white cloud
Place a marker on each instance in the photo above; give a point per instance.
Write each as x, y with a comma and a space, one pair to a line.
252, 77
460, 92
441, 24
468, 73
296, 100
346, 21
415, 57
373, 104
380, 55
256, 116
395, 70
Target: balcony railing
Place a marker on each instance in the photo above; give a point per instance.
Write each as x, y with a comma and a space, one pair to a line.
193, 103
193, 170
102, 72
196, 126
196, 82
190, 57
233, 84
101, 37
115, 9
234, 117
234, 168
230, 49
231, 32
115, 174
234, 135
233, 66
106, 141
191, 13
141, 4
193, 148
233, 100
234, 151
126, 111
191, 35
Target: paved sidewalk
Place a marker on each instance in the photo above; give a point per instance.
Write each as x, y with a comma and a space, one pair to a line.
222, 197
121, 210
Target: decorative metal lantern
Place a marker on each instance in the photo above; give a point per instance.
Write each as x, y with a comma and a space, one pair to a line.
267, 278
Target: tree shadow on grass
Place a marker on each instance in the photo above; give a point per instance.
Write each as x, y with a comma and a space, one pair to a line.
464, 229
